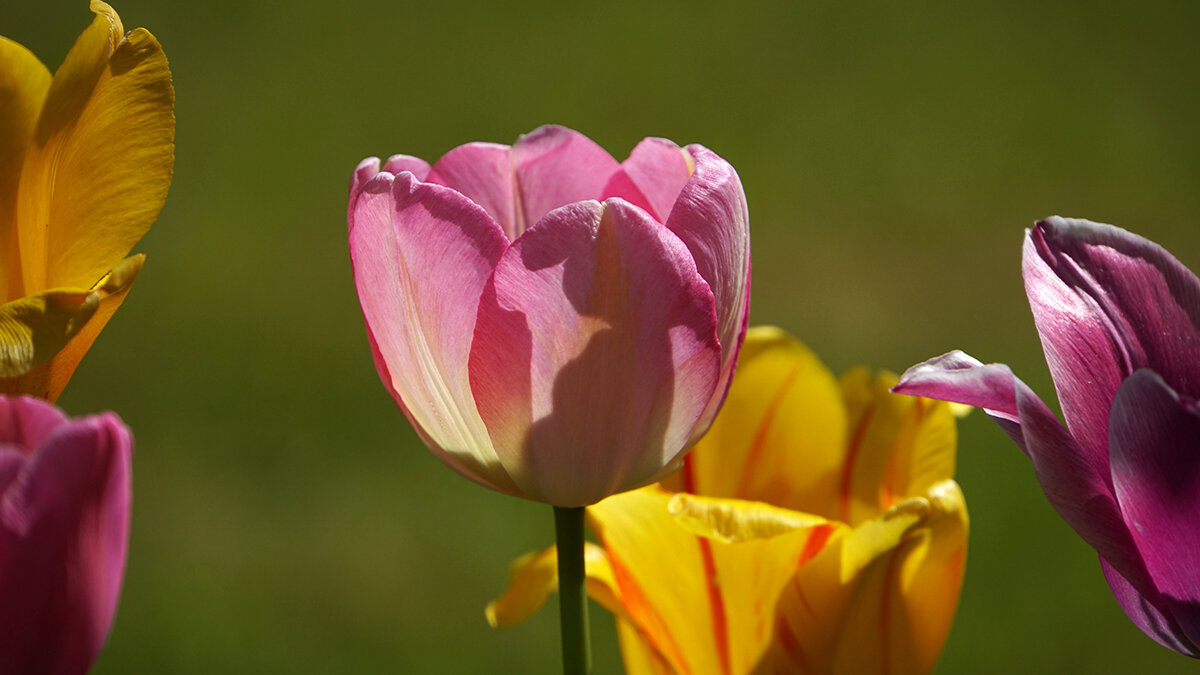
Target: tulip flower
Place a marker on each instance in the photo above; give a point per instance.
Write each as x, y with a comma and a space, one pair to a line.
815, 529
64, 530
1119, 320
85, 163
556, 325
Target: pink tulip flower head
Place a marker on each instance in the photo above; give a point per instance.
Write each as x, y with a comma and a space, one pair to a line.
64, 530
1119, 319
556, 325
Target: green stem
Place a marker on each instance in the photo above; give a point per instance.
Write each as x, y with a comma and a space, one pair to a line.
572, 593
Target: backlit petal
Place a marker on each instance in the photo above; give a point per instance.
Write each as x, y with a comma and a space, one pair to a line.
782, 435
421, 255
1155, 443
556, 166
594, 354
100, 164
23, 85
33, 329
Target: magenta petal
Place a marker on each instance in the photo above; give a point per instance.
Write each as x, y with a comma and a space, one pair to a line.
1076, 487
595, 352
659, 169
421, 255
26, 422
64, 530
1155, 459
1107, 302
556, 166
398, 164
711, 217
1162, 629
483, 173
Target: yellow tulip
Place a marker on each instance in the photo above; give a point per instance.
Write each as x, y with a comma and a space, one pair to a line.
85, 163
815, 529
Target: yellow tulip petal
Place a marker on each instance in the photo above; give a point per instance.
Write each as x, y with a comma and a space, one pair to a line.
100, 165
879, 599
47, 380
702, 605
932, 576
35, 328
23, 85
639, 656
733, 521
898, 446
781, 434
533, 576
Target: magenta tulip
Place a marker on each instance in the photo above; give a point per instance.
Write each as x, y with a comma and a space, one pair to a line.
556, 325
1119, 320
64, 530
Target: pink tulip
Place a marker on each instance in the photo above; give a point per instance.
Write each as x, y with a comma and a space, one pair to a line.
556, 325
64, 529
1119, 319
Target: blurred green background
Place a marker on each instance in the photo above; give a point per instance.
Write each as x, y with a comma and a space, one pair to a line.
287, 520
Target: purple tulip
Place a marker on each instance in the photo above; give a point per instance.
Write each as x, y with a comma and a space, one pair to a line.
64, 527
1119, 319
556, 325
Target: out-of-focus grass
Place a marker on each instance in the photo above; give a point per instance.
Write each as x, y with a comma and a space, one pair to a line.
287, 520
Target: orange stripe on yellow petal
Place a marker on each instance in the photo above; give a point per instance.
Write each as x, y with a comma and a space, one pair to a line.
781, 434
100, 165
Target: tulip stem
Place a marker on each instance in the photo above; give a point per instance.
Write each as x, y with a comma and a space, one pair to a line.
572, 593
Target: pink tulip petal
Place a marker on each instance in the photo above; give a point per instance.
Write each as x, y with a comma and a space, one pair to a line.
595, 352
1162, 629
1070, 479
659, 169
1107, 302
1155, 444
710, 216
26, 422
64, 529
483, 173
421, 255
556, 166
398, 164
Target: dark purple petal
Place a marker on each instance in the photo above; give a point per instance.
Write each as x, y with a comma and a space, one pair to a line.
1107, 302
1159, 627
1075, 486
1154, 440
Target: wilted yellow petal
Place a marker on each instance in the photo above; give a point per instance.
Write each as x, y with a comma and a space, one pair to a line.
780, 435
48, 380
100, 164
23, 85
533, 576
